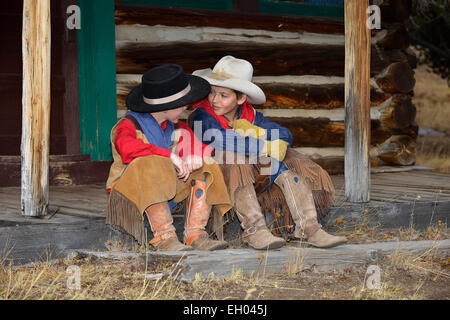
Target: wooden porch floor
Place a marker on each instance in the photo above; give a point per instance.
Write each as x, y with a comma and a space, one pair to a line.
72, 203
415, 198
399, 199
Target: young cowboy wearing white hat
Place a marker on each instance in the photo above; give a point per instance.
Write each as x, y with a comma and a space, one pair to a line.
297, 184
153, 170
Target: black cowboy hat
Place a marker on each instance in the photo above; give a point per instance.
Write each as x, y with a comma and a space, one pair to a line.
166, 87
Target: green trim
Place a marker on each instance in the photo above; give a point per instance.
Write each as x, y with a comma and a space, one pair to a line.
97, 77
198, 4
303, 9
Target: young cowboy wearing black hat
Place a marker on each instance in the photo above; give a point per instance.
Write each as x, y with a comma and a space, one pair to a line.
158, 162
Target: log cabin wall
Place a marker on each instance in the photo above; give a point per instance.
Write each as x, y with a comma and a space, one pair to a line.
64, 126
298, 62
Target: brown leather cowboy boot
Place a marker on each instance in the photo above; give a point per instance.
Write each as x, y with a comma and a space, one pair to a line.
197, 216
161, 223
300, 200
248, 210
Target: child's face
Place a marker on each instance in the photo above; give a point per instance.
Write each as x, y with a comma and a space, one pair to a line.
174, 114
224, 100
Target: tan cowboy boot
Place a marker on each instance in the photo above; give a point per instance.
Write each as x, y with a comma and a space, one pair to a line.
197, 216
161, 223
300, 200
252, 220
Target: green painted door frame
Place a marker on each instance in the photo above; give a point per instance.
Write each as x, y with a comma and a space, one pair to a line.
97, 77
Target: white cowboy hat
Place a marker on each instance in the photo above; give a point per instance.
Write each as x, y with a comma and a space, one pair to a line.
235, 74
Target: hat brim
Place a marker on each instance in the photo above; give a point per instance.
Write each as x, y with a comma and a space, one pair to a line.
200, 88
254, 93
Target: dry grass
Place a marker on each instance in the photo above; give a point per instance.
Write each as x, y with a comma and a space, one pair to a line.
432, 100
402, 277
434, 152
365, 231
100, 279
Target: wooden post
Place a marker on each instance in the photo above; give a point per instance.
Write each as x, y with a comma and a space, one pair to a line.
36, 41
357, 101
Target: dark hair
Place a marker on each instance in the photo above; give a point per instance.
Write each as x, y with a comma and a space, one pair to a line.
238, 94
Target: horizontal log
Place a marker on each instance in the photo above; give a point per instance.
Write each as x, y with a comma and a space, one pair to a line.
397, 77
332, 115
323, 132
397, 150
267, 59
167, 34
305, 92
311, 96
400, 113
396, 112
131, 15
396, 37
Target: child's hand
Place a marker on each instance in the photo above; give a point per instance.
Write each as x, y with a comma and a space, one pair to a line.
275, 149
194, 162
247, 128
180, 166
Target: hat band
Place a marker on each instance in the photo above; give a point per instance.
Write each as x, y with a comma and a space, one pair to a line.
168, 99
221, 76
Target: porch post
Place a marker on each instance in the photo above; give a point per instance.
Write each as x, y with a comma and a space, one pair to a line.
36, 42
357, 101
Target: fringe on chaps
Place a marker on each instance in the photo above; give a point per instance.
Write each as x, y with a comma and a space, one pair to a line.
272, 199
124, 215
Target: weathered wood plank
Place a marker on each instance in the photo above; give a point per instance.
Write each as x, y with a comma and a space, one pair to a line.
393, 214
250, 262
357, 101
412, 193
36, 43
413, 181
29, 243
